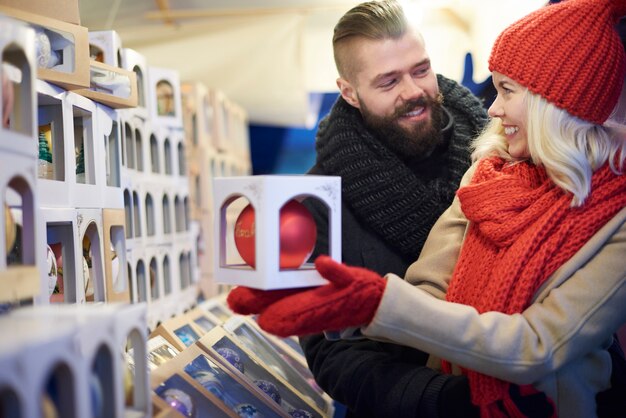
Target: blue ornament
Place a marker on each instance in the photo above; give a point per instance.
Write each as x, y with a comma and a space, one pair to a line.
245, 410
270, 389
300, 413
232, 357
179, 400
210, 382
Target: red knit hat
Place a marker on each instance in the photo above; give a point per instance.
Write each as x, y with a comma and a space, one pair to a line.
569, 53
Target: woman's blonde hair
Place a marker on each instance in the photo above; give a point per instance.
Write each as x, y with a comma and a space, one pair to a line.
569, 148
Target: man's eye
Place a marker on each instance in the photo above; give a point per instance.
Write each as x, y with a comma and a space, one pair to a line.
388, 83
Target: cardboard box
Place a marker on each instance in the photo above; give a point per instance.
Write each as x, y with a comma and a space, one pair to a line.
64, 10
69, 41
111, 86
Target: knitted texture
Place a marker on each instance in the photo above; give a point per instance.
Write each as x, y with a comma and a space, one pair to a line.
569, 53
350, 299
247, 301
522, 230
382, 191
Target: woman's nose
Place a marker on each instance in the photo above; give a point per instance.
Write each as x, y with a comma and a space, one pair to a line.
495, 110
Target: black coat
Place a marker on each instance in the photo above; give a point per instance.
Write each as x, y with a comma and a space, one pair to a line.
375, 379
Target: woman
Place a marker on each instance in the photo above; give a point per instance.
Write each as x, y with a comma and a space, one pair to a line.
528, 265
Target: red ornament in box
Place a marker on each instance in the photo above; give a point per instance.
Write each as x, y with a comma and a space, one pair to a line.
298, 234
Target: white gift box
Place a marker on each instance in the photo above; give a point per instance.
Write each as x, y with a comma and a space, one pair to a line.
268, 194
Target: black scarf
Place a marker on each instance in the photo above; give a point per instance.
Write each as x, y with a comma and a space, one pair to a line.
399, 201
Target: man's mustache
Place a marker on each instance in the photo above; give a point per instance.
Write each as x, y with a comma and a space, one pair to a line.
411, 105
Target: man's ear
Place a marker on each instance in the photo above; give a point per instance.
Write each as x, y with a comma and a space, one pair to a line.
348, 92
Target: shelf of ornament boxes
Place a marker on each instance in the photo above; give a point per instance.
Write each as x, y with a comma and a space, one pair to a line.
18, 172
108, 380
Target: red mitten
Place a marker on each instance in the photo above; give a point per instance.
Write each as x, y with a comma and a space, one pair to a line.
350, 299
246, 301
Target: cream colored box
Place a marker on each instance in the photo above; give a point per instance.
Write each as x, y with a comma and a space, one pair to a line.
69, 41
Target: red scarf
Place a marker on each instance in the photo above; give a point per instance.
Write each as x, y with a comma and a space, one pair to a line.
522, 229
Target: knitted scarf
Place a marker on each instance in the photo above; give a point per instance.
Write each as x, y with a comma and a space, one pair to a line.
522, 229
382, 191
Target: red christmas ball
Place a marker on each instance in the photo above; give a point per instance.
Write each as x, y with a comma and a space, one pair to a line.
298, 234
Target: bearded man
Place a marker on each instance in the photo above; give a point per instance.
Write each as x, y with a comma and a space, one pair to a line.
399, 137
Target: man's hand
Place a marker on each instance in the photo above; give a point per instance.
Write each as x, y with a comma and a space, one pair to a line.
350, 299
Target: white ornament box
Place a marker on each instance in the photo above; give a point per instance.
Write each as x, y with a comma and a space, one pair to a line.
267, 194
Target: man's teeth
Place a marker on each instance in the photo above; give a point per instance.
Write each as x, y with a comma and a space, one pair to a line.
415, 113
510, 130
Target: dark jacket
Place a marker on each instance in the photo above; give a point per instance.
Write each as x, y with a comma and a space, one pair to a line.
375, 379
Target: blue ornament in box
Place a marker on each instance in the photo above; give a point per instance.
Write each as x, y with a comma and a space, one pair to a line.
300, 413
270, 389
232, 357
180, 401
210, 382
245, 410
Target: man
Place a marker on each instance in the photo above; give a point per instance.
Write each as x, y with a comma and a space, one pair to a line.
399, 138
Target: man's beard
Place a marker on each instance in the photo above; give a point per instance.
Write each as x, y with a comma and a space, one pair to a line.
409, 143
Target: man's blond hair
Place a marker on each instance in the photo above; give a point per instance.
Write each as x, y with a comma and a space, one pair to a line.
376, 20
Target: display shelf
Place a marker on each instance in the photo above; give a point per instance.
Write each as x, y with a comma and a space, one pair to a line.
68, 64
267, 195
285, 362
103, 332
256, 369
22, 259
40, 356
204, 378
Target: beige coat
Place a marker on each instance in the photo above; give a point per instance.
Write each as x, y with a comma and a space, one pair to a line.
558, 344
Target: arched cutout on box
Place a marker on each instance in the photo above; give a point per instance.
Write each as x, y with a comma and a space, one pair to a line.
117, 284
17, 71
